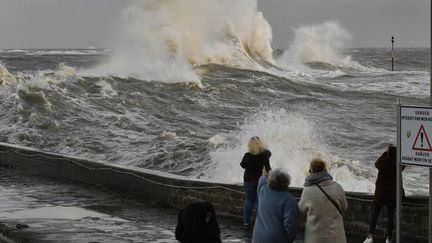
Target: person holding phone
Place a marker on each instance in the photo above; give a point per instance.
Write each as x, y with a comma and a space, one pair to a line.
278, 213
253, 161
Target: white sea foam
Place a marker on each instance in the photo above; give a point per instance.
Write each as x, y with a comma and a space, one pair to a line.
216, 140
5, 75
106, 89
13, 51
293, 141
66, 52
164, 40
344, 176
168, 135
41, 79
65, 71
321, 44
290, 137
402, 83
317, 43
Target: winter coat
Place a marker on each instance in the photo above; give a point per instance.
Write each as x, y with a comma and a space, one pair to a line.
253, 165
324, 224
277, 215
385, 185
197, 223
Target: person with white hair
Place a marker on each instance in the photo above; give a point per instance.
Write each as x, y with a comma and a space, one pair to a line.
253, 161
277, 212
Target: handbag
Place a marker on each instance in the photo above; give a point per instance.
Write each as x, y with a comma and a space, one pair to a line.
331, 200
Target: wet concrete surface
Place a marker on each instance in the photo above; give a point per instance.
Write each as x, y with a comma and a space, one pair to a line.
67, 212
61, 211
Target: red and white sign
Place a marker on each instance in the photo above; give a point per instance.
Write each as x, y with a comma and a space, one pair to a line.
415, 131
421, 142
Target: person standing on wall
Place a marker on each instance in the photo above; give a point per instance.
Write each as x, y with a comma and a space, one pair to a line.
253, 161
323, 201
385, 192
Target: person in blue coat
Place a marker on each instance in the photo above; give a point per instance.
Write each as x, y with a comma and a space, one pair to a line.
278, 212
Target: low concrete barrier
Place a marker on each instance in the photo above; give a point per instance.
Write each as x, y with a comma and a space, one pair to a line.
177, 191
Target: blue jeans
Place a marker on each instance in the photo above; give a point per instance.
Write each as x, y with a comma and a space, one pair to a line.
251, 199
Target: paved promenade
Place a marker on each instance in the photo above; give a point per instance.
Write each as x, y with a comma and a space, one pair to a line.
60, 211
63, 212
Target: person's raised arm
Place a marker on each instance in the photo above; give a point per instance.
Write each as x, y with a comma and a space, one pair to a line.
267, 161
264, 171
263, 179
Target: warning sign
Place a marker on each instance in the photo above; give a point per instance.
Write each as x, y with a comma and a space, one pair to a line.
415, 131
421, 141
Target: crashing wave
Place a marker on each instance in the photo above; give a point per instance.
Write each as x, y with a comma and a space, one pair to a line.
321, 43
7, 78
41, 78
165, 40
5, 75
293, 139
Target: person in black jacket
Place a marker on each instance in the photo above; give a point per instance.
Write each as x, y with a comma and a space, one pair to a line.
253, 161
385, 192
197, 223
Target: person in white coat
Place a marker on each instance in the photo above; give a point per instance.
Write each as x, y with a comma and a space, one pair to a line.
323, 201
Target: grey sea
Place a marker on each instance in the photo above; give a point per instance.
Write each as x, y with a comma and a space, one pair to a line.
344, 112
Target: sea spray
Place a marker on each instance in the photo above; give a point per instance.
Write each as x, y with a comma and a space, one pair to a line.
322, 43
290, 137
164, 40
293, 141
40, 78
5, 75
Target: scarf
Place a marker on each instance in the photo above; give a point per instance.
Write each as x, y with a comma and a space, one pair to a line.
317, 177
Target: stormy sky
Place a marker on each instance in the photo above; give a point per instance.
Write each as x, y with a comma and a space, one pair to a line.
90, 23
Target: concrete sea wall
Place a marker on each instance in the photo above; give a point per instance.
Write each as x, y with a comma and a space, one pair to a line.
177, 191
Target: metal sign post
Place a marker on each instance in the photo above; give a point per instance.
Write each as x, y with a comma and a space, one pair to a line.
414, 134
430, 169
392, 56
398, 175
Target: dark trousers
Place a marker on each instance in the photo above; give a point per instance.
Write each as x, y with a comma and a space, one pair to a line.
390, 218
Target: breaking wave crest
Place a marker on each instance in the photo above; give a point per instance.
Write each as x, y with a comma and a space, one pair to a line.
322, 43
164, 40
39, 78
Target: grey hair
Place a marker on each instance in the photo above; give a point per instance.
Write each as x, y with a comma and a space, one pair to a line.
279, 180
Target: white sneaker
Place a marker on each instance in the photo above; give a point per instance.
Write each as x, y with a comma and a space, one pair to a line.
369, 240
388, 240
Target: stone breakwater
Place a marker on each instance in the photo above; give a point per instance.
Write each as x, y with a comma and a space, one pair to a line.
177, 191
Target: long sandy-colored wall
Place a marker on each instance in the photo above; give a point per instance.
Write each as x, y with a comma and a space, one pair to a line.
176, 191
